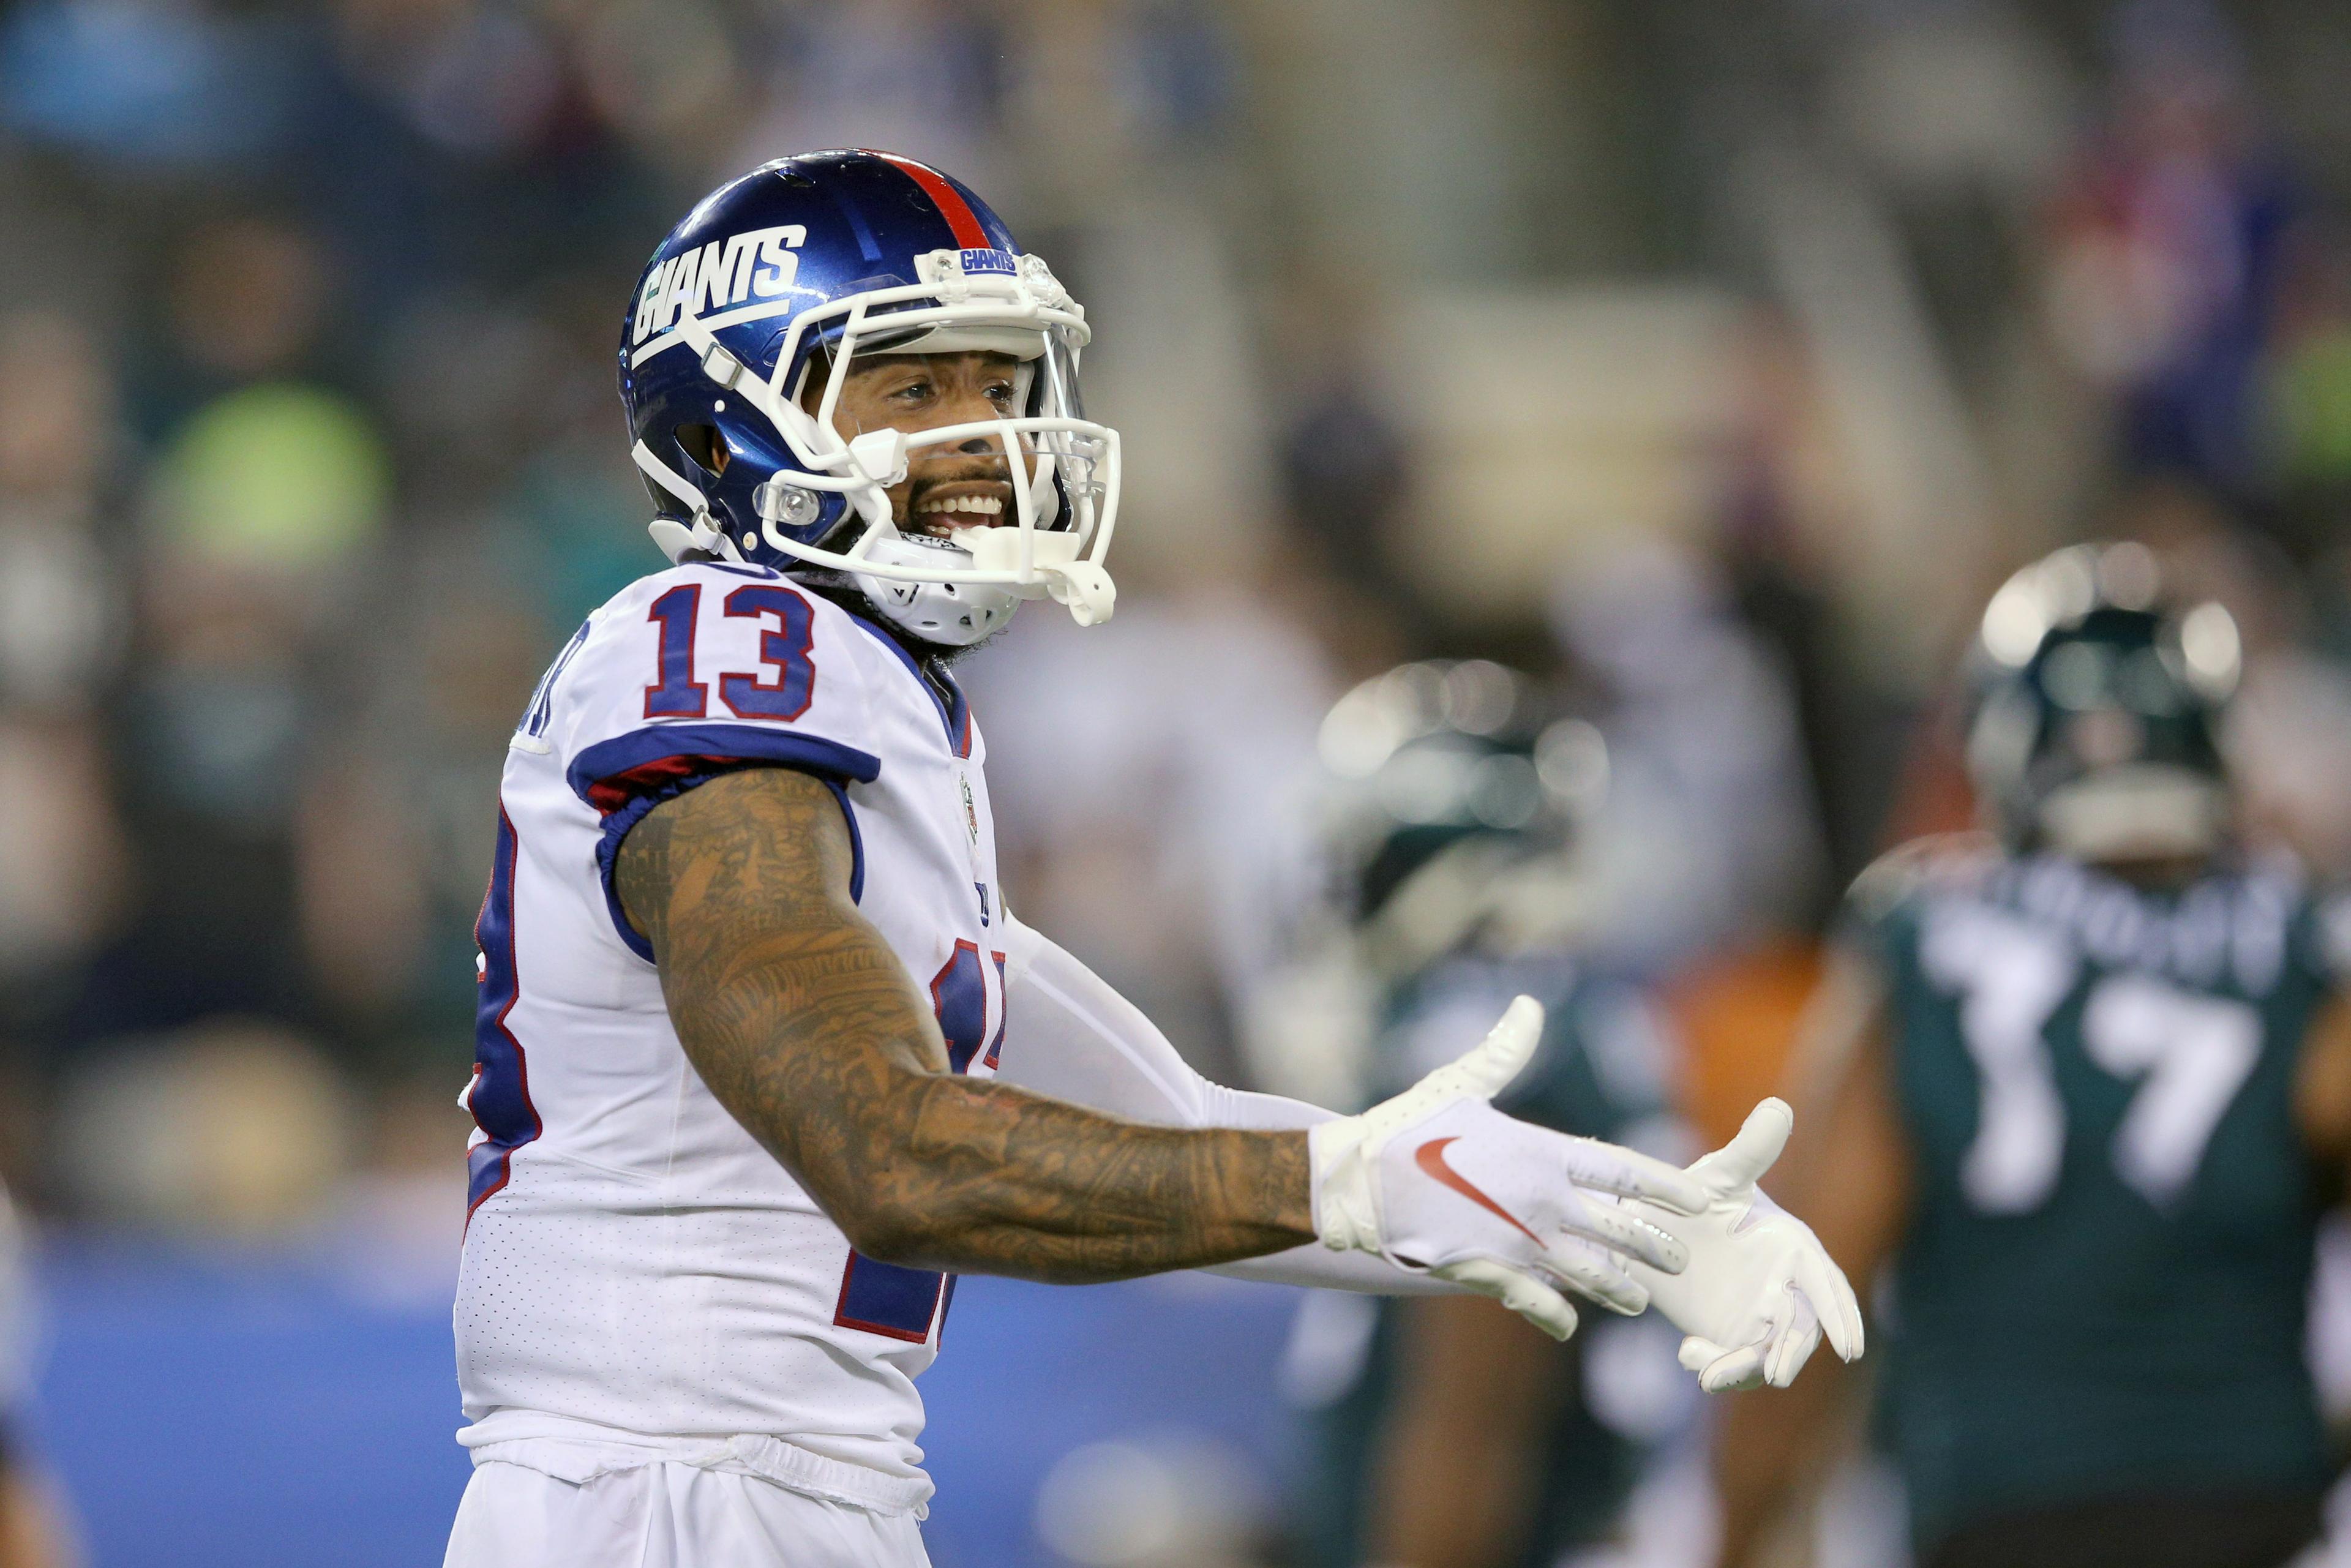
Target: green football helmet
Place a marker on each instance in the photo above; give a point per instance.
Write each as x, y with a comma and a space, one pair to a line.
2095, 728
1458, 792
1454, 797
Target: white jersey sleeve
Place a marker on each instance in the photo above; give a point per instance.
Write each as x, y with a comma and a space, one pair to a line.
699, 671
1078, 1039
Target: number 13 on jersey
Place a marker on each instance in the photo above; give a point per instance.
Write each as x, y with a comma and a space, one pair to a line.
781, 690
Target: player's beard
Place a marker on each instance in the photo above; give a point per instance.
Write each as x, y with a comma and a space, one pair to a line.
966, 472
842, 590
989, 470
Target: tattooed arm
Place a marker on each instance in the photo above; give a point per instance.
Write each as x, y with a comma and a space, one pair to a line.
807, 1027
1076, 1039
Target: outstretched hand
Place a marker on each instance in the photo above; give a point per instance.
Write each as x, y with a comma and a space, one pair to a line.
1435, 1180
1759, 1289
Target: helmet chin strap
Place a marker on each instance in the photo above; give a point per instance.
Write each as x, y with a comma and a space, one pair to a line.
677, 539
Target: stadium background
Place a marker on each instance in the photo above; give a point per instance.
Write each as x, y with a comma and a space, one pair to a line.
1725, 356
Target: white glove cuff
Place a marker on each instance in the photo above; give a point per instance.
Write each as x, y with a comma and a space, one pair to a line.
1345, 1153
1346, 1191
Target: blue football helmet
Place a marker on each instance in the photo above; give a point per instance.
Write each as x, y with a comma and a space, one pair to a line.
790, 272
2099, 704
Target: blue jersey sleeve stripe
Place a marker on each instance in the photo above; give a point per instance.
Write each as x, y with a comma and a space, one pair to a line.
856, 844
719, 743
617, 824
499, 1096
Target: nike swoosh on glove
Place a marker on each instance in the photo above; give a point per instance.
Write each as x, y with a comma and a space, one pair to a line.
1437, 1181
1759, 1289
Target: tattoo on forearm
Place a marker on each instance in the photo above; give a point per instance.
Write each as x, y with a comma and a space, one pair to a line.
804, 1024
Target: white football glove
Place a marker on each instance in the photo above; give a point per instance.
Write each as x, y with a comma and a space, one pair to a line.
1759, 1287
1437, 1181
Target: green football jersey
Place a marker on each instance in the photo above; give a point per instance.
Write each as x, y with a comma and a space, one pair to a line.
2100, 1293
1596, 1073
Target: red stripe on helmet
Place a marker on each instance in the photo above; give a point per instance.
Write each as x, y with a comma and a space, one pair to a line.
961, 219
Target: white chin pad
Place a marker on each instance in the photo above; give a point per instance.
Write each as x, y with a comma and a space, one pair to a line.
952, 615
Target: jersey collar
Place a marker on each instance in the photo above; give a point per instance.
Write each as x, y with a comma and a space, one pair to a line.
954, 709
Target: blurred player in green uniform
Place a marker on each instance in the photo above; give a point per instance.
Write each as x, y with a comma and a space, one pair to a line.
2076, 1094
1442, 1437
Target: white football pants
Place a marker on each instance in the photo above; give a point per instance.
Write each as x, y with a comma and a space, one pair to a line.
667, 1516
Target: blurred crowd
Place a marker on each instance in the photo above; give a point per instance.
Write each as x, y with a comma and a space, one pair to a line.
1716, 365
312, 457
308, 457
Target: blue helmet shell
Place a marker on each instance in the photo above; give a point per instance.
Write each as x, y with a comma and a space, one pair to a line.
799, 233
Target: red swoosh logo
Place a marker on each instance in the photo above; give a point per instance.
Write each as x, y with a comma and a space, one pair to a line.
1430, 1158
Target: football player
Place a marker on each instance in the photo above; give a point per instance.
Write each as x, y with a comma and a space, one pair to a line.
763, 1059
2082, 1085
1458, 802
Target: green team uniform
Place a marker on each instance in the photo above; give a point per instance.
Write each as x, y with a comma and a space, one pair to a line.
1596, 1073
2102, 1292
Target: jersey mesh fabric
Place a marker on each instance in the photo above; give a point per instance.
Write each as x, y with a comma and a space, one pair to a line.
2071, 1322
636, 1267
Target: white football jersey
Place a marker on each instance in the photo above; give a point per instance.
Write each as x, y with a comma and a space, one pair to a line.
635, 1264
